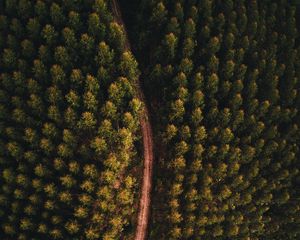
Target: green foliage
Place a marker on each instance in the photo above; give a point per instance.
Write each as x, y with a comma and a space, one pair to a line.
222, 79
225, 96
67, 104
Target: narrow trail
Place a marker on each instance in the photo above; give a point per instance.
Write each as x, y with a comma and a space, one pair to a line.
144, 204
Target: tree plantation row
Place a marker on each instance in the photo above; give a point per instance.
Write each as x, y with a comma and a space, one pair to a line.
68, 122
225, 77
221, 79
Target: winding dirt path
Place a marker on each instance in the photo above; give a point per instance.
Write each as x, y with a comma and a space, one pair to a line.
144, 205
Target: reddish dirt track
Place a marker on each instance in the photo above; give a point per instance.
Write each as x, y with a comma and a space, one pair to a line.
144, 205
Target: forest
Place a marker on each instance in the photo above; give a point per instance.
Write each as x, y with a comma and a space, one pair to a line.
149, 119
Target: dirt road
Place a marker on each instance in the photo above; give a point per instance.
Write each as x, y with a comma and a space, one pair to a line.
144, 205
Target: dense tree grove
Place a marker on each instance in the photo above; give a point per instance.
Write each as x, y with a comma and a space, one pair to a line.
223, 77
69, 118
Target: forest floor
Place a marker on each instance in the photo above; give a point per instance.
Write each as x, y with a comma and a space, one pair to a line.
145, 198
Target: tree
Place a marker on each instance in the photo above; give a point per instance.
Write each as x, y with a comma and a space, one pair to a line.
87, 121
171, 132
50, 190
25, 9
213, 64
173, 26
92, 233
65, 197
233, 230
41, 10
197, 116
116, 94
125, 138
50, 35
58, 75
159, 14
87, 186
56, 234
73, 99
70, 117
105, 55
177, 110
175, 233
54, 114
181, 148
99, 145
178, 163
130, 122
100, 7
92, 84
186, 66
176, 189
185, 133
74, 21
62, 57
90, 171
31, 136
44, 54
40, 171
180, 79
90, 101
72, 227
69, 38
213, 45
189, 47
212, 83
28, 50
68, 182
229, 69
200, 134
15, 150
128, 66
117, 36
54, 95
9, 58
198, 80
170, 44
109, 110
76, 78
190, 28
106, 129
26, 224
217, 231
42, 228
95, 27
56, 14
64, 151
